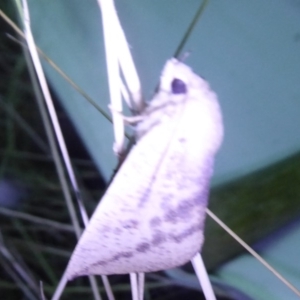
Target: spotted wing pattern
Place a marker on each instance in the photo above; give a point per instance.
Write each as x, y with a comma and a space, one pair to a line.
152, 216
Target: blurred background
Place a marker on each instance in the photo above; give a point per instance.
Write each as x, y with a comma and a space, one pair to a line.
250, 54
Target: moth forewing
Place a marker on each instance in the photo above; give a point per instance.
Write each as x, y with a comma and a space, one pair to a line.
152, 215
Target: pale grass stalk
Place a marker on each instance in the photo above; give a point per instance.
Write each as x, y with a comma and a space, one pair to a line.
137, 283
53, 147
127, 65
202, 276
110, 33
123, 53
134, 286
141, 285
46, 93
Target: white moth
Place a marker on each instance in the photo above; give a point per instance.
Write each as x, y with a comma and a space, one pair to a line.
152, 215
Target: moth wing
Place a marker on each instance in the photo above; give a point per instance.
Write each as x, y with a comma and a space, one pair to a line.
108, 243
151, 217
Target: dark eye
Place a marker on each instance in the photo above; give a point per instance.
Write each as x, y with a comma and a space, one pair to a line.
178, 86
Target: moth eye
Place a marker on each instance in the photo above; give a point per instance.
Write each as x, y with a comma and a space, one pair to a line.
178, 86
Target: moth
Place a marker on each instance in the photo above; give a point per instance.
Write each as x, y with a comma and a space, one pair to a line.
152, 215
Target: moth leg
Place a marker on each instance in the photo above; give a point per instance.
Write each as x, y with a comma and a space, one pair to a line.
128, 120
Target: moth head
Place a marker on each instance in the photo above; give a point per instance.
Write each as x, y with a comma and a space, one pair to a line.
179, 80
175, 77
